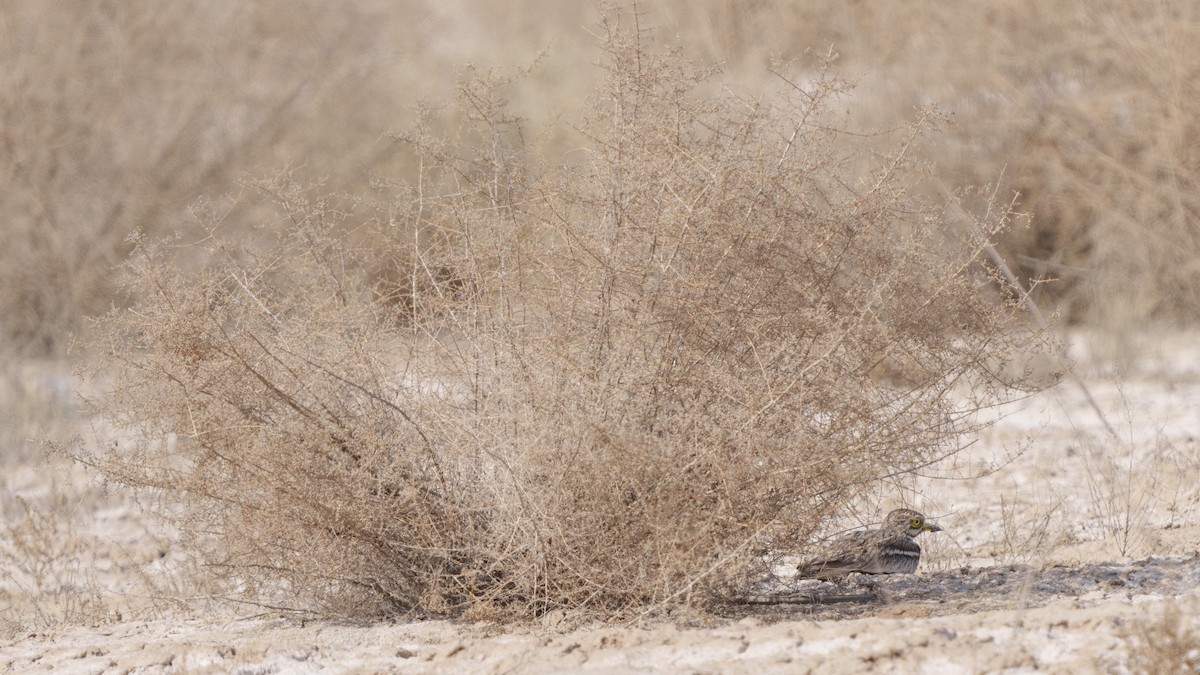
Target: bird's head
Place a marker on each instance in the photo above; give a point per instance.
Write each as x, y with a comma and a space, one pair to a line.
911, 522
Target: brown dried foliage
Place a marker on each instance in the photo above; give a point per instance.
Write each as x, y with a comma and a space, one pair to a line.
603, 387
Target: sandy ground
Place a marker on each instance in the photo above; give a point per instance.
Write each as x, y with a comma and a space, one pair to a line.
1075, 635
1065, 551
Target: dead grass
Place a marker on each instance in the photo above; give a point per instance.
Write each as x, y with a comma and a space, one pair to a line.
1131, 482
1030, 533
1081, 110
519, 387
116, 116
48, 579
1167, 645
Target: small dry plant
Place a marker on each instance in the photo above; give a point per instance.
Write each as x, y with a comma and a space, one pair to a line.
1132, 479
1080, 108
1167, 645
1028, 533
516, 388
114, 115
46, 577
1121, 491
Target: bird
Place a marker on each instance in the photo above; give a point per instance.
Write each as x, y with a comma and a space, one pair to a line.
891, 549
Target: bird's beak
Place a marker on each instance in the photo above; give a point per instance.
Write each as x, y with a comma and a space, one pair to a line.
931, 527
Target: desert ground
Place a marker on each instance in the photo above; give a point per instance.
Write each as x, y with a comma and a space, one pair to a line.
200, 131
1074, 551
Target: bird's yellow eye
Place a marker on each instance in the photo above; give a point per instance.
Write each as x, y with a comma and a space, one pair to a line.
916, 523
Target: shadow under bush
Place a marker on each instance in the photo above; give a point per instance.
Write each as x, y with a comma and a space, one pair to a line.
606, 386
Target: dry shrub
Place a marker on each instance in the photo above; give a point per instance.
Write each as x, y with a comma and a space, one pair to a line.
516, 388
115, 115
1091, 128
47, 558
1081, 108
1166, 645
118, 114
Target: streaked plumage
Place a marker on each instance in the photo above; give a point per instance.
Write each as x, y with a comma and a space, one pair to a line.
891, 549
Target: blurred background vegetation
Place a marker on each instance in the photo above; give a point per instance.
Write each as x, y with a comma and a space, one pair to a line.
119, 118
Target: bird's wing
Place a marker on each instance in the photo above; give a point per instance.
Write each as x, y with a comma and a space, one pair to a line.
847, 554
869, 552
898, 554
